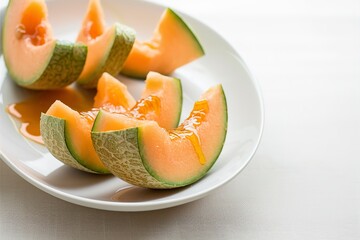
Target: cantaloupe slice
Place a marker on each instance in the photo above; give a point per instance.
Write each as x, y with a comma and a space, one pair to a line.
108, 48
66, 133
146, 155
33, 57
173, 45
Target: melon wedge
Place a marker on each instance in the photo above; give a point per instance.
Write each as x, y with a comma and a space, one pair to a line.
144, 154
173, 45
66, 133
111, 92
108, 48
33, 57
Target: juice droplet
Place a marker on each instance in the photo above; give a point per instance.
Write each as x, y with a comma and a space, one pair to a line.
188, 128
90, 115
113, 108
144, 107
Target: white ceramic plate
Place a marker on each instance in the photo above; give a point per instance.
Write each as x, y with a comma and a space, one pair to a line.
220, 65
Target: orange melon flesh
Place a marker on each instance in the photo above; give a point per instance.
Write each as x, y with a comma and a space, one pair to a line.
94, 35
170, 158
110, 92
93, 23
173, 45
33, 24
108, 47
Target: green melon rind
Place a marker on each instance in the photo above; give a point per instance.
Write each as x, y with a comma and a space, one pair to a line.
2, 14
113, 61
55, 137
119, 151
63, 67
178, 84
122, 152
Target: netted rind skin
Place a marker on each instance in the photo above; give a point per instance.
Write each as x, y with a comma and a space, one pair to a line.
64, 67
119, 152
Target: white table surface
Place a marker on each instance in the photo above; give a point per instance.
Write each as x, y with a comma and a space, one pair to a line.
303, 182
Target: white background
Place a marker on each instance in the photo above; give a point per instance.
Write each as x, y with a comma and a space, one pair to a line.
303, 182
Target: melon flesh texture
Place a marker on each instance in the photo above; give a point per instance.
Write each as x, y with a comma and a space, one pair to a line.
173, 45
66, 133
108, 48
33, 57
146, 155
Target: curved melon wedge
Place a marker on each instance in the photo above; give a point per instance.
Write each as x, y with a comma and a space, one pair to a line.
66, 133
108, 48
173, 45
146, 155
33, 57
